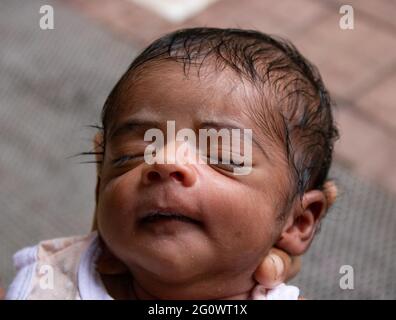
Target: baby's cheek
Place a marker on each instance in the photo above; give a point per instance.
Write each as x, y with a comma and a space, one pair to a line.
244, 221
116, 203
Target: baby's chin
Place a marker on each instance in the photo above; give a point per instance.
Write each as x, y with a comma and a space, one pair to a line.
174, 259
182, 279
173, 271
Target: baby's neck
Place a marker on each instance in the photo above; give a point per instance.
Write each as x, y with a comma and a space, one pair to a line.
141, 294
136, 283
126, 287
221, 287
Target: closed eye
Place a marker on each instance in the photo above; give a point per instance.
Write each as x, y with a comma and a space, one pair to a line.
230, 165
118, 162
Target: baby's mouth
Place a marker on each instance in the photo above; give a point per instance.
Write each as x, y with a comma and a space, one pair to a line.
162, 216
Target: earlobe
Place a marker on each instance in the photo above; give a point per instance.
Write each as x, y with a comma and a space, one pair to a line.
302, 223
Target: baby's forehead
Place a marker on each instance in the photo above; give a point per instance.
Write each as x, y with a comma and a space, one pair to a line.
199, 98
222, 102
165, 89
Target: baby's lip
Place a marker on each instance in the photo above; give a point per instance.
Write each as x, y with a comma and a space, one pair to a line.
156, 215
177, 212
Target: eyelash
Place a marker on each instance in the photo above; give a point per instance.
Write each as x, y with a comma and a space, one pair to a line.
124, 159
224, 166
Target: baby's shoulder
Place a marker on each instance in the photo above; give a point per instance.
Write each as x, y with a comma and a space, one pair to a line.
49, 269
60, 248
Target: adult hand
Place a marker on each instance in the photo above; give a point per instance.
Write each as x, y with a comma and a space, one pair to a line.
277, 267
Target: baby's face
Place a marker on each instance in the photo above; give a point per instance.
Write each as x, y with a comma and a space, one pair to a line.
230, 220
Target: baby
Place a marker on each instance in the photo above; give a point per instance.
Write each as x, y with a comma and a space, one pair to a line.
192, 224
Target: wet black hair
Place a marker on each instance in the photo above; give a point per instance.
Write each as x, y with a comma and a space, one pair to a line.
294, 105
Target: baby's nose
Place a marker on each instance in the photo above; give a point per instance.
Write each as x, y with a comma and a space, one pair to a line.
179, 173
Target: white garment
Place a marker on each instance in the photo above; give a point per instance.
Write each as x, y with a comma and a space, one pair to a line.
86, 280
89, 281
280, 292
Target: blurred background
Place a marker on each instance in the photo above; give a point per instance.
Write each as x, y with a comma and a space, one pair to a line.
53, 84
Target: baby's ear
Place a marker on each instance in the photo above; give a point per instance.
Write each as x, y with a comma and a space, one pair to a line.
302, 222
98, 149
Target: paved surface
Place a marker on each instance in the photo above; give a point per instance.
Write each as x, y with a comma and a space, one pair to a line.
53, 84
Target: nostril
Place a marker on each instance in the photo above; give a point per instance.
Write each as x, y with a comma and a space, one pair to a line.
177, 175
153, 176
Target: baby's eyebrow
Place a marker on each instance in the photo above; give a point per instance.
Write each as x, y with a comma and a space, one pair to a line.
131, 126
225, 125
